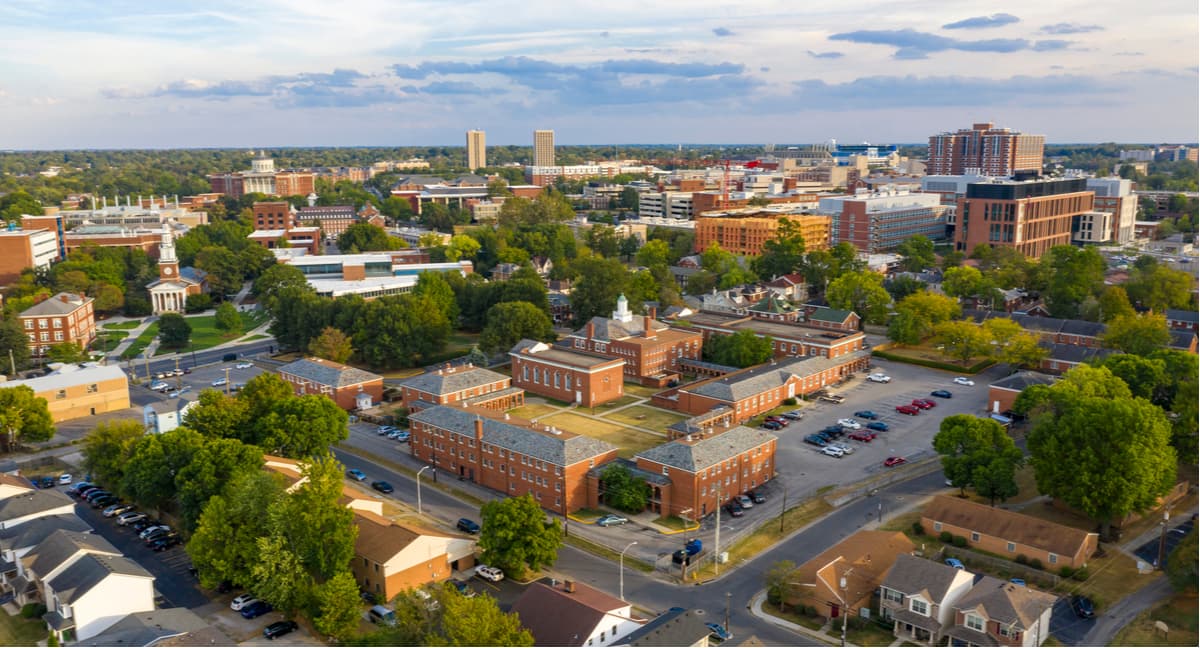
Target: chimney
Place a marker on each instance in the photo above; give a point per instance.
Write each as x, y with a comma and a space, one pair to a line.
591, 330
569, 587
478, 429
65, 298
653, 312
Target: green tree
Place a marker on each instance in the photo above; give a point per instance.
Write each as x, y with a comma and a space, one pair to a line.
335, 606
462, 246
106, 449
217, 416
780, 582
302, 426
1074, 274
224, 268
154, 461
279, 574
14, 343
1138, 334
517, 537
784, 252
225, 544
511, 322
971, 446
1114, 303
629, 199
174, 331
654, 254
197, 303
861, 292
742, 349
996, 480
478, 621
365, 237
228, 319
918, 313
434, 287
18, 203
902, 286
600, 282
280, 279
66, 352
622, 490
962, 281
332, 344
109, 298
962, 340
1183, 566
1099, 449
916, 254
1144, 376
1160, 287
213, 466
1011, 344
24, 416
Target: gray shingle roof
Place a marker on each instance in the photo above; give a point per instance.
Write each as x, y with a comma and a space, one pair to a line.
700, 454
1023, 379
757, 380
33, 532
912, 575
149, 628
560, 450
1074, 352
674, 628
61, 545
563, 355
324, 372
32, 502
1183, 315
445, 382
1005, 602
608, 329
1181, 339
55, 305
87, 572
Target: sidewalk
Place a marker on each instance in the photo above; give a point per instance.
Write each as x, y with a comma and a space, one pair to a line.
756, 608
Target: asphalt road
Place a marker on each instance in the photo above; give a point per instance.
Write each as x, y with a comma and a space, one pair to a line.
208, 356
1149, 551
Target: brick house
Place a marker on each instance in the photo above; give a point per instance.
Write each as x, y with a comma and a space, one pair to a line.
476, 386
758, 389
918, 596
1010, 534
861, 559
345, 385
1183, 320
569, 613
511, 456
565, 375
65, 317
1003, 393
651, 349
390, 557
1000, 613
789, 340
836, 319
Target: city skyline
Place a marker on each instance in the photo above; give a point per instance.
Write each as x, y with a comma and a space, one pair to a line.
220, 74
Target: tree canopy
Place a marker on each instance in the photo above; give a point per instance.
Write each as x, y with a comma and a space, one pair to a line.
516, 536
861, 292
977, 452
24, 416
510, 322
741, 349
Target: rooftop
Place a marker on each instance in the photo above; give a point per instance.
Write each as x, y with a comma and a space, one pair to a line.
557, 447
1007, 525
1023, 379
451, 380
558, 617
63, 303
1005, 602
560, 355
78, 579
698, 452
756, 380
327, 372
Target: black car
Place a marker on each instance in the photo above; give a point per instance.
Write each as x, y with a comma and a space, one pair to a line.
941, 393
279, 628
833, 431
681, 557
771, 425
1082, 607
104, 501
47, 482
462, 588
816, 440
158, 535
164, 542
468, 526
757, 497
734, 509
382, 487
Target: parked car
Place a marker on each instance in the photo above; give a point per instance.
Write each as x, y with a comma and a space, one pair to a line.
734, 509
757, 496
165, 542
384, 430
256, 609
745, 501
219, 382
832, 451
382, 487
403, 436
894, 461
878, 426
771, 425
381, 615
117, 509
243, 365
229, 357
47, 482
865, 437
150, 530
395, 433
846, 449
125, 519
159, 386
794, 415
468, 525
241, 601
923, 403
964, 381
156, 535
879, 378
866, 414
489, 573
836, 399
850, 424
279, 628
908, 409
719, 632
611, 520
815, 440
64, 479
941, 393
1082, 607
462, 588
833, 431
1018, 581
104, 500
143, 524
356, 474
93, 495
955, 563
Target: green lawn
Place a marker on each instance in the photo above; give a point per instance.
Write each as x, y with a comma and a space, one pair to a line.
205, 334
641, 391
251, 338
108, 341
15, 631
628, 440
674, 522
532, 411
141, 342
651, 418
1178, 612
124, 326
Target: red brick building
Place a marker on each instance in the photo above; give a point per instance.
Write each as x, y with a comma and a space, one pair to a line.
1031, 216
475, 386
788, 340
346, 385
565, 375
511, 456
65, 317
651, 349
994, 151
332, 219
276, 222
274, 215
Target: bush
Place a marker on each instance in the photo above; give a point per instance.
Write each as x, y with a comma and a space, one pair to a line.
1022, 559
917, 529
946, 537
960, 541
197, 303
789, 401
1036, 563
33, 611
1066, 571
1081, 574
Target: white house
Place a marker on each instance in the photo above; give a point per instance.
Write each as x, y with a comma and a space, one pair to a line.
918, 595
569, 613
23, 507
51, 556
163, 416
13, 485
95, 592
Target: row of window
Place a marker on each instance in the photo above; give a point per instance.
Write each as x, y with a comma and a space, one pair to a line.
45, 337
1010, 547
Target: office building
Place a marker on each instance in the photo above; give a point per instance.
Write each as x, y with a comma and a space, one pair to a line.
743, 231
988, 150
77, 390
543, 148
1030, 215
476, 150
277, 221
370, 275
350, 387
880, 221
65, 317
665, 204
331, 219
565, 375
1115, 196
26, 248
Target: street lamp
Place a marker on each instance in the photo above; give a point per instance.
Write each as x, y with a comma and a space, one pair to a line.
419, 487
621, 568
845, 610
1162, 541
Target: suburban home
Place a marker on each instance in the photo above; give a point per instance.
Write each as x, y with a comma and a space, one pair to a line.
568, 613
456, 385
163, 416
17, 541
390, 557
21, 508
675, 627
774, 308
918, 596
76, 390
344, 384
1000, 613
1183, 320
566, 375
1003, 393
166, 627
860, 562
11, 485
824, 317
791, 287
651, 349
1010, 534
53, 555
293, 472
1183, 340
789, 339
93, 593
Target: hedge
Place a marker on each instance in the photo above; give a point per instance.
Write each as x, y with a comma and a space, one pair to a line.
933, 364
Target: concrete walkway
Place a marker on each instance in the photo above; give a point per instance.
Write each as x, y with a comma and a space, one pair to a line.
756, 608
129, 339
573, 409
1119, 615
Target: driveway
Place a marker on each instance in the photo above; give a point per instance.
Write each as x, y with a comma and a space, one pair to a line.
1149, 551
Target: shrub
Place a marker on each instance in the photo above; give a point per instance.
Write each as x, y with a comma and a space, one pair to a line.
960, 541
1066, 571
789, 401
33, 610
1022, 559
197, 303
946, 536
917, 529
1081, 574
1036, 563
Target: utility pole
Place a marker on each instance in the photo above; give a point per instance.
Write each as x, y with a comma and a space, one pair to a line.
782, 508
178, 375
728, 596
621, 568
1162, 542
717, 536
12, 362
419, 487
226, 381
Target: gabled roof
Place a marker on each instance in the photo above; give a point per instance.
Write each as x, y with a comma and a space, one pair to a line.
863, 556
33, 532
15, 480
1005, 602
77, 580
62, 545
327, 372
1181, 339
1083, 328
677, 627
1172, 315
155, 627
698, 454
556, 617
1073, 352
63, 303
834, 315
608, 329
563, 449
1023, 379
1007, 525
453, 379
756, 380
380, 539
773, 303
912, 575
36, 501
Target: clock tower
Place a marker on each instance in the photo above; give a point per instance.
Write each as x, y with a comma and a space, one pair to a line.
168, 265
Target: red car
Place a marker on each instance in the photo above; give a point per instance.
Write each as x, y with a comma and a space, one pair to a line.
894, 461
908, 409
862, 436
924, 403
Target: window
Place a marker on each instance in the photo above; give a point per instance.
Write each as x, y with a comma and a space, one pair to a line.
1053, 558
57, 322
974, 536
62, 393
1004, 631
975, 622
892, 595
937, 526
28, 324
1011, 547
93, 388
919, 606
58, 336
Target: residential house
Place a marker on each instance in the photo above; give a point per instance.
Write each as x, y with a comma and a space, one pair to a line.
76, 390
1003, 392
1182, 340
774, 308
65, 317
836, 319
569, 613
390, 557
1010, 534
505, 271
24, 507
791, 287
999, 613
459, 385
651, 349
675, 627
17, 541
166, 627
51, 556
918, 596
164, 416
565, 375
1183, 320
349, 387
93, 593
13, 485
788, 340
844, 576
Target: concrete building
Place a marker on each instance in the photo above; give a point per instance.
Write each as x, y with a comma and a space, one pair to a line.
345, 385
477, 150
1029, 215
152, 212
113, 236
564, 375
370, 275
65, 317
1092, 227
665, 204
993, 151
77, 390
391, 557
26, 248
1114, 196
651, 349
169, 293
880, 221
543, 176
464, 385
743, 231
543, 148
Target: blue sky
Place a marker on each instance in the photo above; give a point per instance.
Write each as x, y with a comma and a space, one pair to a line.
314, 72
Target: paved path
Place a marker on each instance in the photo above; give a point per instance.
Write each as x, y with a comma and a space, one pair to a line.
129, 339
1118, 616
640, 401
756, 608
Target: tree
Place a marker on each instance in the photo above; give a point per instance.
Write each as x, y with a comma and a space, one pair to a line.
916, 254
478, 621
154, 461
629, 199
24, 416
742, 349
1160, 287
622, 490
225, 544
109, 298
918, 313
462, 246
336, 611
213, 466
1144, 376
962, 281
278, 280
1183, 567
780, 582
902, 286
173, 330
1114, 303
1011, 344
106, 449
516, 535
434, 287
217, 416
511, 322
996, 480
968, 444
14, 343
332, 344
197, 303
228, 319
66, 352
861, 292
654, 254
365, 237
783, 253
1138, 334
224, 268
1099, 449
302, 426
962, 340
1073, 274
600, 282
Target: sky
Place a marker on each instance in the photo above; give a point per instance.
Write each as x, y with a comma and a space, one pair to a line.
185, 73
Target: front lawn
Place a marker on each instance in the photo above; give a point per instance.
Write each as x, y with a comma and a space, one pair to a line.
131, 324
16, 631
141, 342
206, 335
1179, 613
651, 418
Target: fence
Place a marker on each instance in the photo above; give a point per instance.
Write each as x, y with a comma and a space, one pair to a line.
999, 566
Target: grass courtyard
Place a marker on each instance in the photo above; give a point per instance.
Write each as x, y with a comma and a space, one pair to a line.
651, 418
629, 441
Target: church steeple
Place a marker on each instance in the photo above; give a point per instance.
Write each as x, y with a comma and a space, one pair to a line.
168, 265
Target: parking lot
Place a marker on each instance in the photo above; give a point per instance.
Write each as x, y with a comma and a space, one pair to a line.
200, 379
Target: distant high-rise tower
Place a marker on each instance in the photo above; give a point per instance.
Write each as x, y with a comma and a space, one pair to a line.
543, 148
993, 151
476, 150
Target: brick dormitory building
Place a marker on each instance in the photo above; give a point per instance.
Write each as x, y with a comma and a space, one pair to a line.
815, 337
565, 375
462, 386
651, 350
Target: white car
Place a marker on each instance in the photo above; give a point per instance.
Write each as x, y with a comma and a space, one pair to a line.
489, 573
159, 386
745, 501
64, 479
832, 451
846, 449
243, 365
242, 601
126, 519
962, 380
879, 378
850, 424
219, 382
148, 530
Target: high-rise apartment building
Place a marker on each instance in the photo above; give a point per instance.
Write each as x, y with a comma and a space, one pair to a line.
543, 148
993, 151
476, 150
1029, 215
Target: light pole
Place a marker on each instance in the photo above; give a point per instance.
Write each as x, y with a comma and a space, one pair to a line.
1162, 541
728, 596
419, 488
845, 611
621, 568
